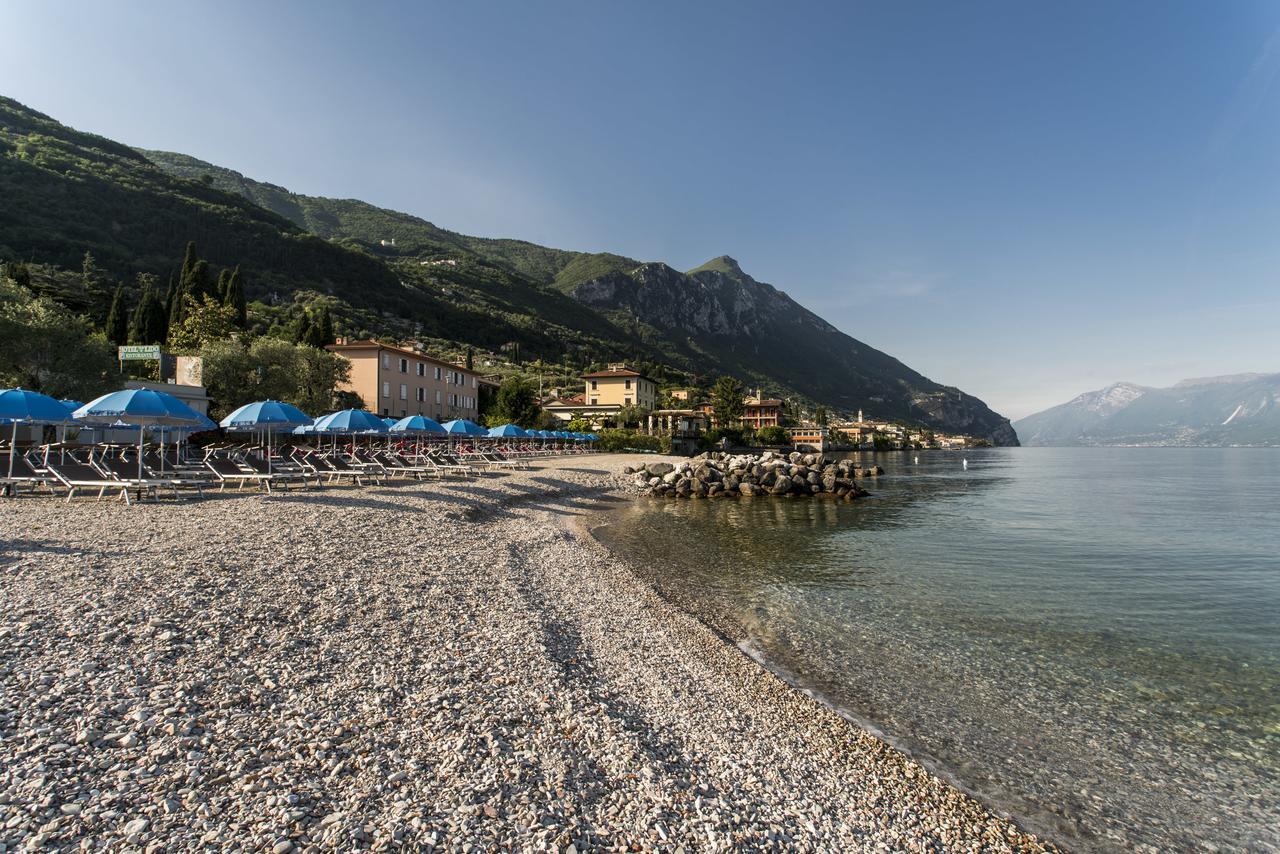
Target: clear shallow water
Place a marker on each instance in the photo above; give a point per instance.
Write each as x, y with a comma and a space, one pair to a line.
1086, 638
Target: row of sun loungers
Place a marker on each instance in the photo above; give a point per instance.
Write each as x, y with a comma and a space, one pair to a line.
115, 471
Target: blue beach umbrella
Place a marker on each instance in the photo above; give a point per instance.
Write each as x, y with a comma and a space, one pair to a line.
419, 425
268, 415
350, 421
506, 431
19, 406
463, 427
139, 407
265, 413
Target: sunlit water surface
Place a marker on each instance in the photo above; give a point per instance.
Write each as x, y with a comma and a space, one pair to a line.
1088, 639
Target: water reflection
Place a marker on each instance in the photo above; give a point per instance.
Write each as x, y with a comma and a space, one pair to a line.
1086, 637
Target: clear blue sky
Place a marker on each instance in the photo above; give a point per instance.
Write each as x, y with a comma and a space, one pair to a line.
1027, 200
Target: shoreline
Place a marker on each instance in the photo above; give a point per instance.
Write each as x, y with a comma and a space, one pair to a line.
418, 664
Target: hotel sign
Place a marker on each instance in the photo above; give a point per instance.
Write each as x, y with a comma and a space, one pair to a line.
135, 352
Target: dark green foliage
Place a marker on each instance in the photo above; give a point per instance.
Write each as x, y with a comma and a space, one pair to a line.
117, 328
150, 324
235, 297
726, 401
772, 436
820, 416
516, 403
45, 348
612, 439
220, 289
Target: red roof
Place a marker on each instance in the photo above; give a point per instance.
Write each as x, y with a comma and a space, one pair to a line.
625, 373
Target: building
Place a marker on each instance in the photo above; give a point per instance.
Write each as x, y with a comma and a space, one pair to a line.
808, 438
620, 386
679, 394
760, 411
395, 382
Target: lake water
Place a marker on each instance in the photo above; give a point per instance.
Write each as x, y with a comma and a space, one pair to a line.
1087, 639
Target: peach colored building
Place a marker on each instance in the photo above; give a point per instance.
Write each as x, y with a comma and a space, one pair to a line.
395, 382
620, 386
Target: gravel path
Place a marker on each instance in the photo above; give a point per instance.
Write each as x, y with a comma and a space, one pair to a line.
417, 665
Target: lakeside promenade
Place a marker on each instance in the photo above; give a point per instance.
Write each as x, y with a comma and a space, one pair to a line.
419, 665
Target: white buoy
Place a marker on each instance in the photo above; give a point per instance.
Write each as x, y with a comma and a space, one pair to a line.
964, 463
916, 460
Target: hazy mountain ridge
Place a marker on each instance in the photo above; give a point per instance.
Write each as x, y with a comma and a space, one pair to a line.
1241, 409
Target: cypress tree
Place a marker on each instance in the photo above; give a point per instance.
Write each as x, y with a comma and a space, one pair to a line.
196, 282
220, 289
149, 325
302, 332
235, 297
118, 318
170, 295
189, 260
323, 329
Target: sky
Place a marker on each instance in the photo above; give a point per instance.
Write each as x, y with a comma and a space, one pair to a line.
1024, 200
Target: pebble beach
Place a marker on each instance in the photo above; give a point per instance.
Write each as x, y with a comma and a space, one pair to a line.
449, 666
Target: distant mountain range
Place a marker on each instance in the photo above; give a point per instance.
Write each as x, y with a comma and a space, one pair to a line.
386, 273
1241, 409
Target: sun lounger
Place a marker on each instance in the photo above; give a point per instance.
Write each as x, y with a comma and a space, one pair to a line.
278, 474
227, 471
23, 472
75, 475
128, 473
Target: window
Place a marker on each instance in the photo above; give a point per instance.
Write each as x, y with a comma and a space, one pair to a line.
404, 366
386, 389
386, 360
475, 383
422, 395
422, 369
626, 401
404, 391
595, 386
627, 385
595, 401
437, 375
437, 393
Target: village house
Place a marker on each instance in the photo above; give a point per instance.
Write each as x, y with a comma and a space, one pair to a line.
397, 381
759, 411
605, 393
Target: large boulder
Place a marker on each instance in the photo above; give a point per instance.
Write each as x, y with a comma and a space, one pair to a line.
658, 469
747, 488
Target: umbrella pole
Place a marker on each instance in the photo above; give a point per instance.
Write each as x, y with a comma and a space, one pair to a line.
268, 450
141, 437
13, 447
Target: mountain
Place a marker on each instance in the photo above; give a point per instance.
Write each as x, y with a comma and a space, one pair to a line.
1242, 409
386, 273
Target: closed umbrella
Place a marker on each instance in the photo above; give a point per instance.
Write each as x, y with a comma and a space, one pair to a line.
141, 407
269, 415
19, 406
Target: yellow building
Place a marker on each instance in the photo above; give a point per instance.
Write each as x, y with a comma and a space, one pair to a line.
394, 381
620, 386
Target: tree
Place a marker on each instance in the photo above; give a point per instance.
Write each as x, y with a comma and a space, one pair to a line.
820, 416
322, 329
94, 282
471, 359
117, 329
772, 436
579, 425
203, 322
46, 348
516, 403
726, 401
150, 324
221, 288
235, 298
271, 368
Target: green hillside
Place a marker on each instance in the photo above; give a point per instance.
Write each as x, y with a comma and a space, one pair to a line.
389, 274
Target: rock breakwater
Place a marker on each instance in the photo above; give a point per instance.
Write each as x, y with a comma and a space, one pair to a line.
716, 475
